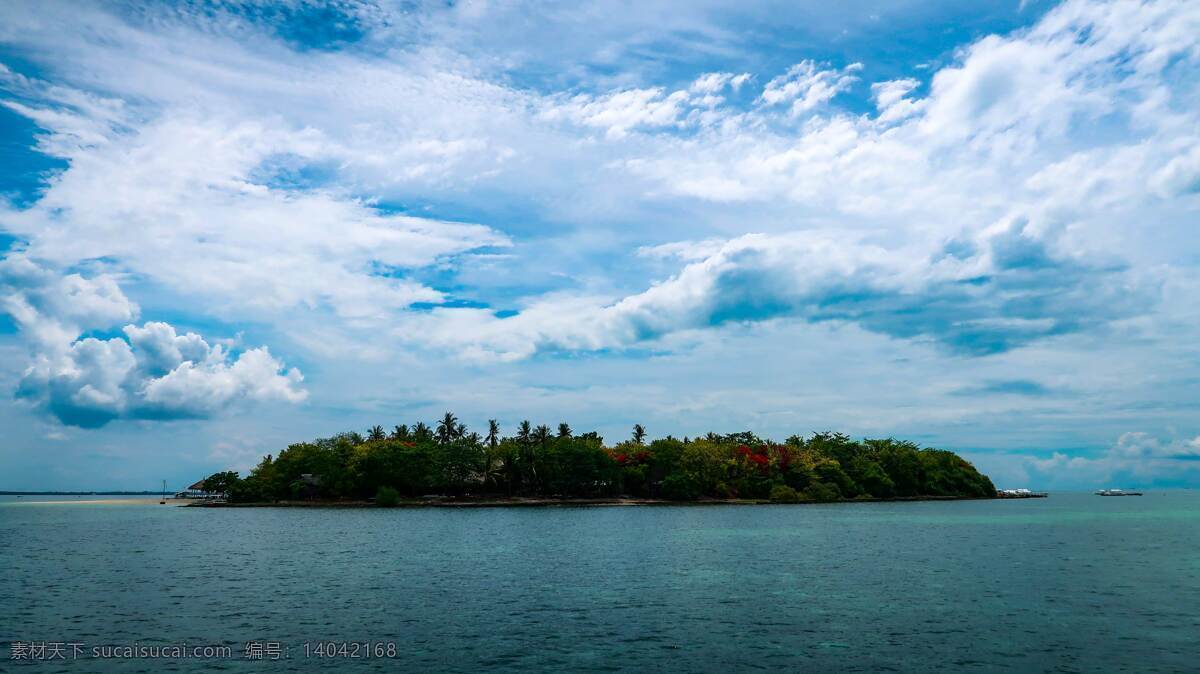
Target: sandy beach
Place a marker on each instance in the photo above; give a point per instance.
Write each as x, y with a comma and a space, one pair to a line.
66, 500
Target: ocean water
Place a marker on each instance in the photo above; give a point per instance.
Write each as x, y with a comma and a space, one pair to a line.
1074, 582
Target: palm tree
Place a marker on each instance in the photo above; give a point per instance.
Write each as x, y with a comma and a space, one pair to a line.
527, 470
541, 435
639, 434
376, 433
564, 431
446, 428
493, 434
421, 431
460, 431
400, 432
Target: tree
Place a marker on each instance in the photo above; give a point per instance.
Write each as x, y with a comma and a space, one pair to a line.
493, 434
525, 456
679, 487
447, 428
387, 497
639, 434
417, 460
507, 455
704, 462
421, 432
221, 483
460, 460
781, 493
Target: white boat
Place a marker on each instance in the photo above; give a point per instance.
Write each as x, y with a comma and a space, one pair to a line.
1019, 493
1117, 492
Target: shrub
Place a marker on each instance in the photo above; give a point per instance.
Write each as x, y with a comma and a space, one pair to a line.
387, 497
781, 493
819, 491
677, 487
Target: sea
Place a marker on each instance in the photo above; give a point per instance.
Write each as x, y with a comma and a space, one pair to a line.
1070, 583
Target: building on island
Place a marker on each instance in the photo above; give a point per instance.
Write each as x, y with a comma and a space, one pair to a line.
197, 491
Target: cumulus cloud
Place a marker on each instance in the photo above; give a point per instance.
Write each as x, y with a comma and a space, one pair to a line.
198, 180
1181, 175
714, 83
646, 109
806, 85
988, 295
621, 111
959, 156
93, 381
891, 98
1135, 459
52, 309
983, 212
150, 372
186, 202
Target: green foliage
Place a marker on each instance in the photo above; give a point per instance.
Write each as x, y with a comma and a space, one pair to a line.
830, 472
821, 492
448, 459
387, 497
781, 493
221, 483
679, 487
639, 434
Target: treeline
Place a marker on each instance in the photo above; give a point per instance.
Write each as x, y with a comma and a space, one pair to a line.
447, 459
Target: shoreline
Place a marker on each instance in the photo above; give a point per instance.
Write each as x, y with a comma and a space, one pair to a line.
516, 502
148, 500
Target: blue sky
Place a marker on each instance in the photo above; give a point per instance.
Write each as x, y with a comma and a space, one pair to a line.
227, 226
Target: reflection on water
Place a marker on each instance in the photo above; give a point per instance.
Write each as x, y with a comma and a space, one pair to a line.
1074, 582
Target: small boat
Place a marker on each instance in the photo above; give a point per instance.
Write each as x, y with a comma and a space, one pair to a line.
1117, 492
1020, 493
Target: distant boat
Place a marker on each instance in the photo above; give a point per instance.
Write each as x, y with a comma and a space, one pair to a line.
1117, 492
1020, 493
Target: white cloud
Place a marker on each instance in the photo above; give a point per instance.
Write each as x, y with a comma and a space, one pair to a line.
891, 99
51, 309
152, 373
93, 381
182, 201
683, 250
806, 86
204, 385
715, 83
1136, 459
1181, 175
619, 112
998, 291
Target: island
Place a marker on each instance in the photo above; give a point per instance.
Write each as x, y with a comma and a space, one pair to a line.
446, 463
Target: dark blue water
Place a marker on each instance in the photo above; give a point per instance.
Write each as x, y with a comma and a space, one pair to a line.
1070, 583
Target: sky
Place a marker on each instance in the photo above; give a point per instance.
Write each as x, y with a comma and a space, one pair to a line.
227, 226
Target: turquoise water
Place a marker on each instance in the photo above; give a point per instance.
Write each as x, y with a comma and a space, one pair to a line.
1070, 583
